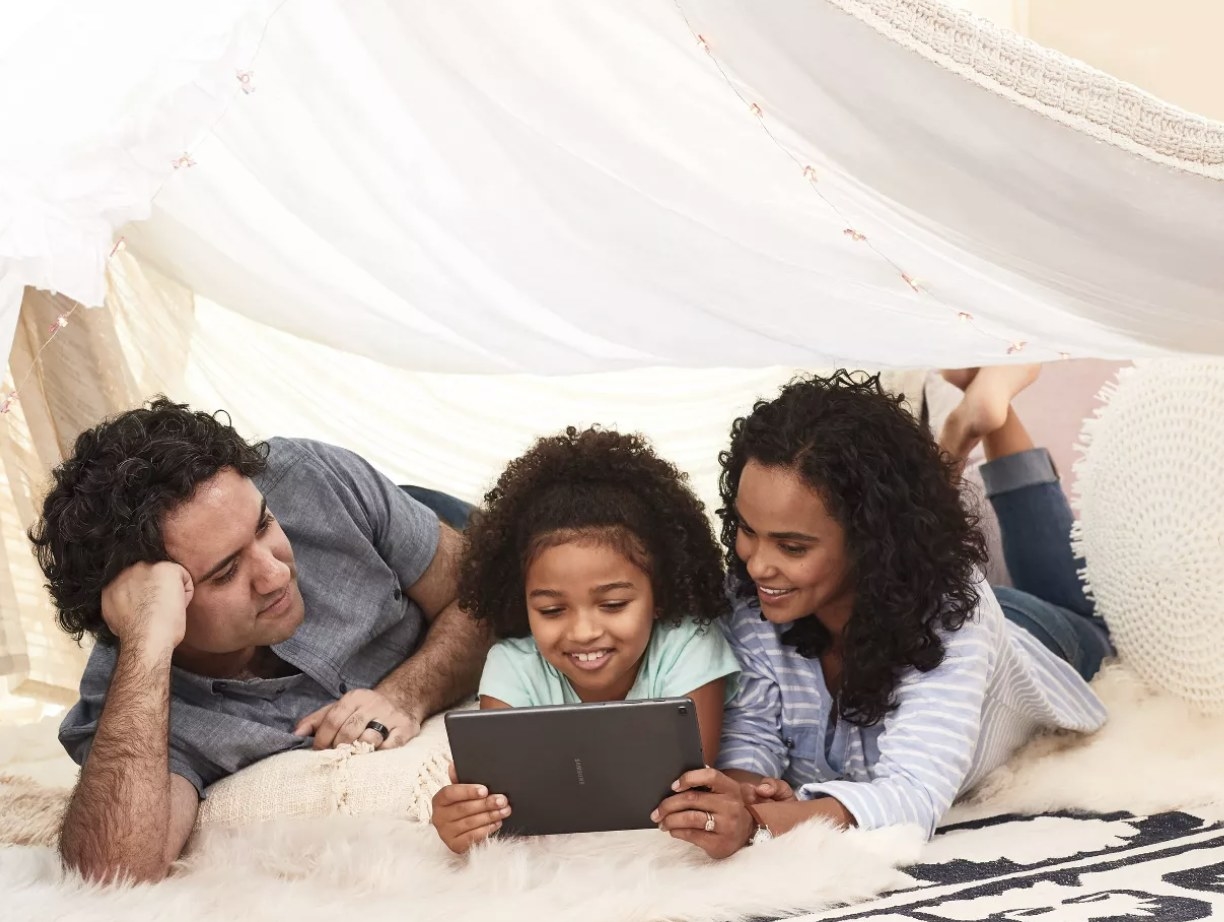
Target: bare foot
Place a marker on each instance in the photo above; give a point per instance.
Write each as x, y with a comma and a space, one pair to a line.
988, 395
959, 377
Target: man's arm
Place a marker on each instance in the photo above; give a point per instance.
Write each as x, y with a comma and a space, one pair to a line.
447, 665
444, 669
129, 816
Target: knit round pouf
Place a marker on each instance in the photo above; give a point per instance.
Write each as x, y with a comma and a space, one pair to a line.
1150, 490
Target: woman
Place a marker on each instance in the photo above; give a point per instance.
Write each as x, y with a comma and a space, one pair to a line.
882, 676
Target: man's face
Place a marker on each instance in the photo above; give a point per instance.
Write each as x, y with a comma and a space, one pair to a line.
246, 590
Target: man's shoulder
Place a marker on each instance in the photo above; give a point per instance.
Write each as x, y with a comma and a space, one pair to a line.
306, 467
286, 453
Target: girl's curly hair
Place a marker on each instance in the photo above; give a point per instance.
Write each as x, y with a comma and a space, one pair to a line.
913, 547
109, 498
605, 485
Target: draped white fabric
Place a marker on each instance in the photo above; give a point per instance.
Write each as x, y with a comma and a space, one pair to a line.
359, 205
557, 186
95, 102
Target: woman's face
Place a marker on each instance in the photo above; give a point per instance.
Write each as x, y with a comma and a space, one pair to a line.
794, 550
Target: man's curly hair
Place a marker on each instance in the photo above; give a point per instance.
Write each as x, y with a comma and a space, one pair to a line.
109, 499
601, 485
913, 548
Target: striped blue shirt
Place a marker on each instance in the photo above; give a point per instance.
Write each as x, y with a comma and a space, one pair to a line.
996, 687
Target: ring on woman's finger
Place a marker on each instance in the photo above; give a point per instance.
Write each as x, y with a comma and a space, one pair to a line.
709, 823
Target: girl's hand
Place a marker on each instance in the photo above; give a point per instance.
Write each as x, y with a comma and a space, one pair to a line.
715, 820
465, 814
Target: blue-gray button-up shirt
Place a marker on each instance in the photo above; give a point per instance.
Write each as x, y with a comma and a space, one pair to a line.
358, 542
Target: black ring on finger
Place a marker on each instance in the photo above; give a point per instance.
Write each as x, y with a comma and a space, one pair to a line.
378, 728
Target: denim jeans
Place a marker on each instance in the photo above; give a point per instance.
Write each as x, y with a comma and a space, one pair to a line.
1047, 597
451, 510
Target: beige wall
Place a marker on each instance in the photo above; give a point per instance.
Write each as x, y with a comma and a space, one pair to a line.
1168, 47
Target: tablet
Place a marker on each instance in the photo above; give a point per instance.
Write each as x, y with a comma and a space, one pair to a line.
578, 768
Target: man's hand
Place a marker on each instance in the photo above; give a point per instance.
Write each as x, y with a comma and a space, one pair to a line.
347, 721
715, 820
767, 790
146, 604
465, 814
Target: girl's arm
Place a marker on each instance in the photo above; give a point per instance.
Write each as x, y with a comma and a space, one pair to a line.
488, 703
708, 700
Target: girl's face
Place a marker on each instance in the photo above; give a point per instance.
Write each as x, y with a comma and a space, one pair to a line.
591, 612
794, 550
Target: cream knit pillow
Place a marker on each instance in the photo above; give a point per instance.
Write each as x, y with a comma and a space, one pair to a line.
1150, 490
350, 780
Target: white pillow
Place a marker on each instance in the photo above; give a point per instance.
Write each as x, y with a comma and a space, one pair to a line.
1151, 497
349, 780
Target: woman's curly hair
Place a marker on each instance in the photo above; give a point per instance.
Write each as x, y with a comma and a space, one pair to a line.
913, 548
108, 500
600, 484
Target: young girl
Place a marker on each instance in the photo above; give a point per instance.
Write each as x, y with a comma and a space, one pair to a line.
881, 678
595, 565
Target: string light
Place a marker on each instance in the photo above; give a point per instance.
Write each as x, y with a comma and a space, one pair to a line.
809, 173
246, 83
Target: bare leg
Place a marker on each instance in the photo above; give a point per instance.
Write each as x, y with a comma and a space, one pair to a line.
985, 414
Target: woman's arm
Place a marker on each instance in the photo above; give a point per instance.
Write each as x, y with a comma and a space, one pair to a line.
751, 738
928, 742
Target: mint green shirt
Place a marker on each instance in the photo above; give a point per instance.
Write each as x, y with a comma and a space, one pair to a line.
678, 661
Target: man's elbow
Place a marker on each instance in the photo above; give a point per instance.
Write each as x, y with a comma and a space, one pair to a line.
101, 868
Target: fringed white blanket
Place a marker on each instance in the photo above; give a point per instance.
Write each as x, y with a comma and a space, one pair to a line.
1155, 755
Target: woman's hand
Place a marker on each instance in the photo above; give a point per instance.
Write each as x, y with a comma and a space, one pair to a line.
766, 790
465, 814
715, 820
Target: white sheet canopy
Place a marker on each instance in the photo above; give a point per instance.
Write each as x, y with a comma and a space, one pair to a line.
417, 227
559, 187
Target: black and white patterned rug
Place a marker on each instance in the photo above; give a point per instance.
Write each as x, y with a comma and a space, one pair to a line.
1062, 868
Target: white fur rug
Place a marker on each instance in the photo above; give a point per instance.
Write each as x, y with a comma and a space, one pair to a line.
1153, 756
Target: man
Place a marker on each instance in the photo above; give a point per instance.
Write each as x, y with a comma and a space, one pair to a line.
246, 599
